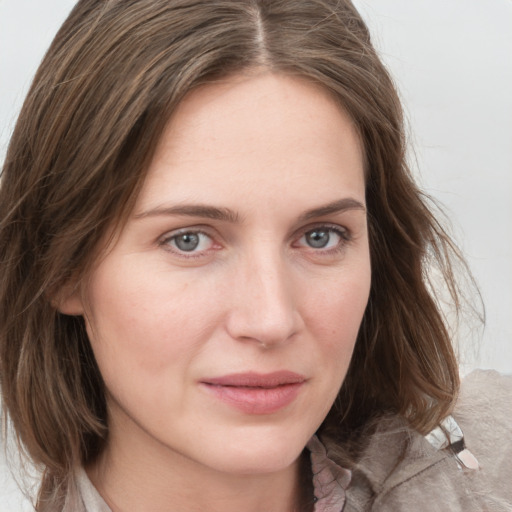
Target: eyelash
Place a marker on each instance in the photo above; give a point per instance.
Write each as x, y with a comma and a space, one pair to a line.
343, 233
165, 242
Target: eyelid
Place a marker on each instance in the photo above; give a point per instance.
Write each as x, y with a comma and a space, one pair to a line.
164, 241
343, 232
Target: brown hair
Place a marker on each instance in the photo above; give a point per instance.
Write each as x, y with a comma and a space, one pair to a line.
76, 161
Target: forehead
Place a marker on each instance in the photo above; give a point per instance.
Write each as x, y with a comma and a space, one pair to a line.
267, 132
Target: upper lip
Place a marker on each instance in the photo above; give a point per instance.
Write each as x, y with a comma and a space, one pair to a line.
257, 380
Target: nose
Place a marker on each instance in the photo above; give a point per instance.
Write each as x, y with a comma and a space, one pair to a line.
264, 303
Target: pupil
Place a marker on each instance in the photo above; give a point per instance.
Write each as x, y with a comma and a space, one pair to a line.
317, 239
187, 242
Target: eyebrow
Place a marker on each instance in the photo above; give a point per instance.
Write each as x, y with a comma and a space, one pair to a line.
227, 215
193, 210
339, 206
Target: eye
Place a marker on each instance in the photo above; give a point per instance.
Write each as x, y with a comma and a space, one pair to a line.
188, 241
324, 238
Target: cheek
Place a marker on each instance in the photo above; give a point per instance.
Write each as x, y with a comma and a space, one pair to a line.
333, 312
336, 307
143, 321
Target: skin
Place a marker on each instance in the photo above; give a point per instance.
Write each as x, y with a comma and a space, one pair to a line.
254, 295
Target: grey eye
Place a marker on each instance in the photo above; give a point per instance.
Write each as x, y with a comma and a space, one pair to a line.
324, 237
318, 238
187, 241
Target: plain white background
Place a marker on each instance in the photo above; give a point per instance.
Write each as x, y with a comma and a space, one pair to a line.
452, 61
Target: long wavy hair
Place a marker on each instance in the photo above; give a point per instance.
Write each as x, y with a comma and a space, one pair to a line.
87, 131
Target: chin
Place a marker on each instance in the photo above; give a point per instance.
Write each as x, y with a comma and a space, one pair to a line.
257, 463
264, 452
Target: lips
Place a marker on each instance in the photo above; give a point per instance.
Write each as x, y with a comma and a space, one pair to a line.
255, 393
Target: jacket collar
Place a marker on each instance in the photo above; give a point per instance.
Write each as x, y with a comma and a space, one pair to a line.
395, 454
330, 480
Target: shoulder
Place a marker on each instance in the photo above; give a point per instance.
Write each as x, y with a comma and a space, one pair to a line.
486, 399
401, 470
484, 413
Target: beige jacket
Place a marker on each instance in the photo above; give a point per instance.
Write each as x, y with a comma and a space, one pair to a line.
402, 471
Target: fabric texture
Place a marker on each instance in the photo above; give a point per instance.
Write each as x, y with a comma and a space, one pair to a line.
400, 470
330, 481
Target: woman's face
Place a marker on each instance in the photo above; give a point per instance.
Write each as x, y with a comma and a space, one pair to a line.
224, 317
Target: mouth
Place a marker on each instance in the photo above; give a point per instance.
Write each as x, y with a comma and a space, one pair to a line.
254, 393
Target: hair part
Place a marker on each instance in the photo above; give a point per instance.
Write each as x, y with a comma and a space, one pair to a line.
84, 139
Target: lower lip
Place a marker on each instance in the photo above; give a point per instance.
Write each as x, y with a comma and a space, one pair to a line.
256, 400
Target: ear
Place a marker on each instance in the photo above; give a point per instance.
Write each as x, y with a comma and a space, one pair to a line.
68, 301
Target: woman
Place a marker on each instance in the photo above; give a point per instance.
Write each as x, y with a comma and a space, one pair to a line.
215, 291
